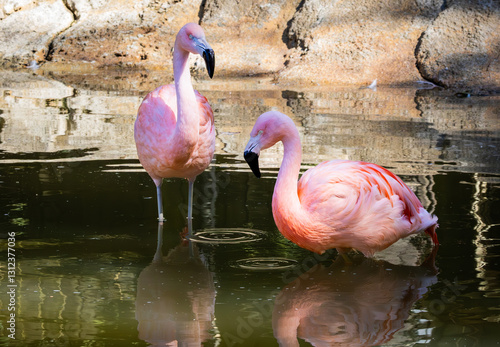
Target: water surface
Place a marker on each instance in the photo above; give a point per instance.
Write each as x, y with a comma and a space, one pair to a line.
83, 214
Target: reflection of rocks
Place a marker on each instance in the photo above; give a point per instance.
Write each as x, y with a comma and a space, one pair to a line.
23, 85
468, 138
401, 129
42, 115
363, 304
175, 299
236, 112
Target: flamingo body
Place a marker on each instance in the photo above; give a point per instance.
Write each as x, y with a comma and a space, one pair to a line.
338, 204
158, 149
174, 129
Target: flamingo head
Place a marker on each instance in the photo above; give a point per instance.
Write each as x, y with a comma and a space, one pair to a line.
270, 128
191, 38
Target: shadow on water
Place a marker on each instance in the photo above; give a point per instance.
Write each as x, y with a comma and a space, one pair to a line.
83, 213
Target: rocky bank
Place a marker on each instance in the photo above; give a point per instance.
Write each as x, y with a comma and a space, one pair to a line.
452, 43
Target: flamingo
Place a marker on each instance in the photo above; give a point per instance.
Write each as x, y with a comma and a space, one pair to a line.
174, 129
338, 204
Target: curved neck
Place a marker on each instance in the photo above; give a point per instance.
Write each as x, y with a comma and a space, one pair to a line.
288, 174
285, 197
187, 126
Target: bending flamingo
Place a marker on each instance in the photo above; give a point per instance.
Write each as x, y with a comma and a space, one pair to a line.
174, 130
338, 203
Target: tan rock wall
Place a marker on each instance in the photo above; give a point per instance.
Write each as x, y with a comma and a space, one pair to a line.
462, 46
26, 31
454, 44
248, 35
356, 41
123, 33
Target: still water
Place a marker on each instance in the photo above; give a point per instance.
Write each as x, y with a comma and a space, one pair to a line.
94, 268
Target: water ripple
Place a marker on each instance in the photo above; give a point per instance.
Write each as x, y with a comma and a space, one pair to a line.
265, 263
227, 235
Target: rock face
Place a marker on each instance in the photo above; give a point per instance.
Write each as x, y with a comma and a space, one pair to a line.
357, 41
123, 32
26, 30
461, 48
248, 34
453, 43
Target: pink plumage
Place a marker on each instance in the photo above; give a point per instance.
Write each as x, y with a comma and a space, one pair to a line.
338, 204
174, 130
160, 152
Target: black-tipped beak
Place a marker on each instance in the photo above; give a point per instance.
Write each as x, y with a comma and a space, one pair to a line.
209, 57
253, 161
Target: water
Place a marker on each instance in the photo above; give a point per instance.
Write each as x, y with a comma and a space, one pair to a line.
83, 215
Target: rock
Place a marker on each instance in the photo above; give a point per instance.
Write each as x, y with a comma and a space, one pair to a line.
28, 30
356, 41
453, 43
247, 35
461, 49
121, 33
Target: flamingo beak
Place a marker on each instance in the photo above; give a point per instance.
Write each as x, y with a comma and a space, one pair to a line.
204, 49
209, 57
252, 160
251, 154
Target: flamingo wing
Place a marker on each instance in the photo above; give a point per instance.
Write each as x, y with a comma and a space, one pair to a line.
206, 113
160, 107
352, 195
203, 153
156, 116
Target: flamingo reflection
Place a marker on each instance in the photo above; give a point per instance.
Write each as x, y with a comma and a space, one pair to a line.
175, 298
362, 304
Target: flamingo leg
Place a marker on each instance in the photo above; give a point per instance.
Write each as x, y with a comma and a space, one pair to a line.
190, 208
160, 203
343, 253
158, 254
346, 258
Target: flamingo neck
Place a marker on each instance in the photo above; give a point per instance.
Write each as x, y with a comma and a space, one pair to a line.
287, 210
187, 126
288, 175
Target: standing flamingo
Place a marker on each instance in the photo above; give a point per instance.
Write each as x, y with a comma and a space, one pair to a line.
174, 130
338, 203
